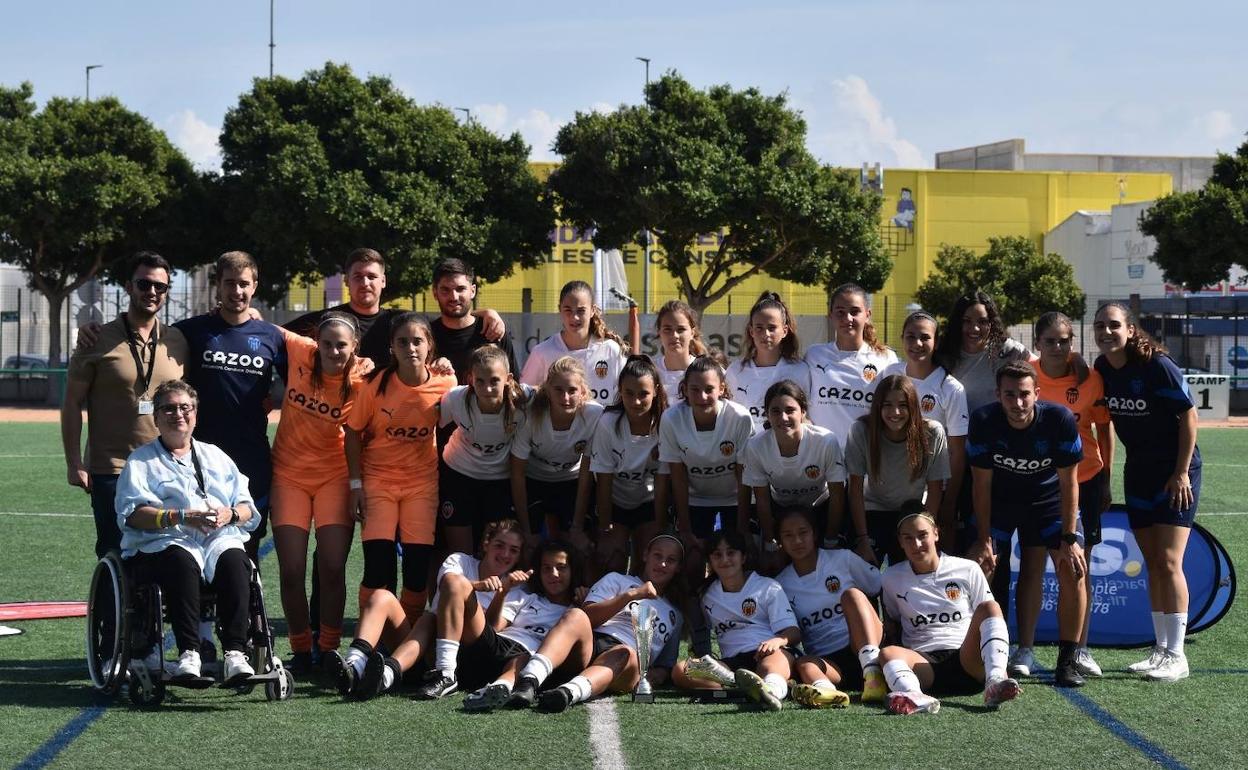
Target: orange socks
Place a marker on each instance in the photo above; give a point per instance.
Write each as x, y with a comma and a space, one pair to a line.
300, 642
413, 603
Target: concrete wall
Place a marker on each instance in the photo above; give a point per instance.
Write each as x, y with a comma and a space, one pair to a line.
998, 156
1083, 241
1188, 173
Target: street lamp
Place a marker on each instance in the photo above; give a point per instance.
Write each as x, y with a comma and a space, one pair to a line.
89, 68
467, 113
645, 253
272, 45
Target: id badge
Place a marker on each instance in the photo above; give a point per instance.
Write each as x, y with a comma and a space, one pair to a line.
147, 407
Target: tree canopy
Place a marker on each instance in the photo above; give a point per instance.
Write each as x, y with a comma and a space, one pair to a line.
82, 186
1024, 282
1202, 234
689, 162
315, 167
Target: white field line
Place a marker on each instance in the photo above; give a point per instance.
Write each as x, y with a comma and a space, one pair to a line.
604, 735
54, 515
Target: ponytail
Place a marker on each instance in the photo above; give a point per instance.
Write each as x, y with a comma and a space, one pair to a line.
318, 371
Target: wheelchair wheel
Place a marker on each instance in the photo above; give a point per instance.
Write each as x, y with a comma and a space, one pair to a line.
282, 688
108, 625
147, 694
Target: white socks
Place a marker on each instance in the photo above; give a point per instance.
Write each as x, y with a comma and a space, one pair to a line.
823, 682
1175, 627
445, 652
356, 660
580, 688
869, 658
1159, 629
538, 667
387, 678
900, 677
994, 647
502, 682
777, 685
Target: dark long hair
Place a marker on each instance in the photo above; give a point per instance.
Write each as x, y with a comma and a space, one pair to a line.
397, 323
1053, 319
917, 444
789, 346
638, 366
868, 328
534, 584
734, 540
697, 345
348, 369
713, 361
598, 328
949, 348
1141, 347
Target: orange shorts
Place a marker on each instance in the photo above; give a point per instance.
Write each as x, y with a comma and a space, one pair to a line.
409, 511
299, 503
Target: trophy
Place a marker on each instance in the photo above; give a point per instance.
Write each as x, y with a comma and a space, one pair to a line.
644, 620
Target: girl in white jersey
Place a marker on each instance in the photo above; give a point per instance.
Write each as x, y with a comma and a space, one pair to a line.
586, 337
843, 372
897, 463
504, 646
680, 341
953, 636
772, 353
474, 484
631, 500
753, 622
793, 464
941, 398
550, 476
833, 596
467, 591
598, 640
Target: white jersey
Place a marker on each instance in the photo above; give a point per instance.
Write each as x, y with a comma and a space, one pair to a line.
941, 397
934, 609
816, 597
480, 447
842, 384
671, 377
532, 616
666, 643
748, 384
633, 460
801, 480
470, 568
709, 456
742, 620
555, 455
602, 359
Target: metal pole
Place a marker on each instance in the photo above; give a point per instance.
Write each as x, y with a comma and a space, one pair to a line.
467, 113
272, 45
89, 68
645, 250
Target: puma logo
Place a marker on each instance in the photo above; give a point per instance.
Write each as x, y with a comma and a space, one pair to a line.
389, 413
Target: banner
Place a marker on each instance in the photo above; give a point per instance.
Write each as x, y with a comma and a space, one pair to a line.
1120, 607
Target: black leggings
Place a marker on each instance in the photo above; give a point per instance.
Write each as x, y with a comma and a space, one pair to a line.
178, 576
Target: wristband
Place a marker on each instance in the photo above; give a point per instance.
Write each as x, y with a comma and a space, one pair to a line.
355, 484
234, 517
160, 516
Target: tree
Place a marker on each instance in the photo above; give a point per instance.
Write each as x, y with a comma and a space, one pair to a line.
313, 168
691, 162
1202, 234
1024, 282
82, 186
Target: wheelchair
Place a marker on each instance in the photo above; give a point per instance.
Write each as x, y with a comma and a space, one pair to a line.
125, 620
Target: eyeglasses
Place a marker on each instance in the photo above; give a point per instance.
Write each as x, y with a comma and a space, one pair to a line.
1057, 342
143, 284
169, 410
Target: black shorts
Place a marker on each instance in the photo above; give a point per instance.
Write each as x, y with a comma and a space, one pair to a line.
1091, 500
481, 662
1034, 530
705, 518
1148, 503
469, 502
602, 643
633, 518
882, 529
846, 661
748, 660
553, 498
949, 676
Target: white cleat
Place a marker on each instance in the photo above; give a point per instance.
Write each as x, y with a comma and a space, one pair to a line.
907, 703
1151, 662
998, 691
1172, 668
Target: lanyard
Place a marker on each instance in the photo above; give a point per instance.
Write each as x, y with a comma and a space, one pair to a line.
145, 378
199, 470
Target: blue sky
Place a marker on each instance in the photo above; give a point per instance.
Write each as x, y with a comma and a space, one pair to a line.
891, 82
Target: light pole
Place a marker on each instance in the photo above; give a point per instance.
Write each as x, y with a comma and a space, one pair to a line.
89, 68
467, 113
272, 45
645, 249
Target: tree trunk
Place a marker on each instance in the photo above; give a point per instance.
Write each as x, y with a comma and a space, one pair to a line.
56, 383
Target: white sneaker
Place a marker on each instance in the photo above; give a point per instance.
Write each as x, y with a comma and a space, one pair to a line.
236, 666
1153, 661
907, 703
188, 664
1086, 665
1172, 668
1021, 662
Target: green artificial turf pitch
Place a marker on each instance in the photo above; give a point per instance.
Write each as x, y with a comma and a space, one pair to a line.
49, 715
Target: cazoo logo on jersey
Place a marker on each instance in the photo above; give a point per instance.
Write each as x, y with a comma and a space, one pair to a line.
1021, 464
221, 358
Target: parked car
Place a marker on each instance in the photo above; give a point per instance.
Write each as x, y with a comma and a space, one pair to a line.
26, 361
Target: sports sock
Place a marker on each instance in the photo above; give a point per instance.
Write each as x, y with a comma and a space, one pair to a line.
994, 646
580, 688
823, 681
538, 667
330, 638
413, 603
445, 652
1175, 624
390, 674
869, 657
1159, 629
301, 641
503, 682
776, 685
357, 655
900, 677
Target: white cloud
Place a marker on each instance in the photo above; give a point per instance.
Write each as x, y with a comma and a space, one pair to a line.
848, 125
1215, 125
536, 126
196, 138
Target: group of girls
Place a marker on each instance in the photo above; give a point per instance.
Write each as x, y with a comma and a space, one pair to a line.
775, 457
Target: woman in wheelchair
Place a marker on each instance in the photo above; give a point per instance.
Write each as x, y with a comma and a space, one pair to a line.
185, 513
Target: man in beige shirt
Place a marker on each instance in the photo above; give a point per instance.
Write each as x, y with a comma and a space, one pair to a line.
113, 380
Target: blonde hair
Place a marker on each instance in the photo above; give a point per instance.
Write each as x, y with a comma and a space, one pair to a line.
562, 365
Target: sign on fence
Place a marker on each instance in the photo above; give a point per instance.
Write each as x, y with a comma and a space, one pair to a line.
1212, 395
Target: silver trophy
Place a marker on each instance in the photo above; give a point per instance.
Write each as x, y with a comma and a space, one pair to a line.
644, 621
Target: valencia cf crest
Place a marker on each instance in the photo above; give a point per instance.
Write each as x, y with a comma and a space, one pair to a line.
811, 471
749, 607
1137, 386
953, 591
869, 372
726, 448
579, 447
833, 584
253, 344
448, 509
927, 403
1042, 447
1072, 395
600, 369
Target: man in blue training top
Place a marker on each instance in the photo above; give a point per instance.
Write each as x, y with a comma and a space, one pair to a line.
1024, 455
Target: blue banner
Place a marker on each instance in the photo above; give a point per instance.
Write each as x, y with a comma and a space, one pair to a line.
1120, 607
